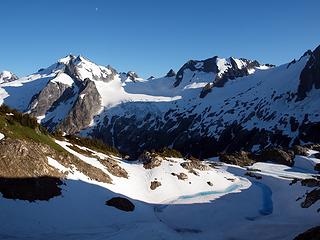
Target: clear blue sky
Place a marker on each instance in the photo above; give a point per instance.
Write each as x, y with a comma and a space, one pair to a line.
152, 36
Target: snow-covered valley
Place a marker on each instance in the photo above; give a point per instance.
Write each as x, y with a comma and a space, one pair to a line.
203, 204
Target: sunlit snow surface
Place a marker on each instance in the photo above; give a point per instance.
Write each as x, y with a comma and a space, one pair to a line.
235, 207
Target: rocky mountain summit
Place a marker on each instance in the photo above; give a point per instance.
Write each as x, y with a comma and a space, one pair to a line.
6, 76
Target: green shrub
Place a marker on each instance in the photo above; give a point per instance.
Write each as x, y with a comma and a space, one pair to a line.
24, 119
170, 152
94, 144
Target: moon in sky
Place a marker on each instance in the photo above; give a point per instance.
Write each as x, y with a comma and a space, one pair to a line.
96, 9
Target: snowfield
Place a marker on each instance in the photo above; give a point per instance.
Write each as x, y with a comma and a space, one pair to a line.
178, 209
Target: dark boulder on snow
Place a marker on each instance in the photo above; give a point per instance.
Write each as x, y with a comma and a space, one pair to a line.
154, 185
121, 203
180, 176
310, 234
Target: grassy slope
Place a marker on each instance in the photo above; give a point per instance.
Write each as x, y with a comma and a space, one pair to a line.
15, 130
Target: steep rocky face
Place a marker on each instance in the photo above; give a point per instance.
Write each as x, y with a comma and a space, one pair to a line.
310, 75
50, 96
6, 76
234, 69
177, 132
85, 107
221, 70
209, 66
132, 75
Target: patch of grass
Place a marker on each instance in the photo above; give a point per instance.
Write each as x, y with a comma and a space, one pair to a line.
169, 152
94, 144
16, 125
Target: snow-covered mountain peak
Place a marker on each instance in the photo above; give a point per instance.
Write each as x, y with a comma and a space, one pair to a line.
7, 76
81, 68
216, 70
67, 59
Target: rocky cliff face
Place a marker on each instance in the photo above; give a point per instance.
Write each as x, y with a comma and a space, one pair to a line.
49, 96
86, 106
310, 75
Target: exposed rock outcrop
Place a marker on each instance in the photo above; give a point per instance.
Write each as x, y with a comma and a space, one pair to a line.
86, 106
132, 75
193, 163
311, 198
150, 160
49, 97
299, 150
114, 168
30, 161
241, 158
154, 185
277, 155
180, 176
310, 182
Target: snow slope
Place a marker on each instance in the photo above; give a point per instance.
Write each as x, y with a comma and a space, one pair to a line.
175, 210
171, 187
